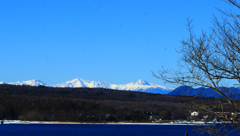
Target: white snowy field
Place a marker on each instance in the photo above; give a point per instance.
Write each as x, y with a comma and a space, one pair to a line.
58, 122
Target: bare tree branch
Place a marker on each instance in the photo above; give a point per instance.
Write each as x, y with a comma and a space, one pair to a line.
208, 61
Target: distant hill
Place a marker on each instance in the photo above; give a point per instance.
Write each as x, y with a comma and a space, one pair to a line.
138, 86
206, 92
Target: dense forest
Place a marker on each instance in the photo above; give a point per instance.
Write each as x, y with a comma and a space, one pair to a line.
89, 105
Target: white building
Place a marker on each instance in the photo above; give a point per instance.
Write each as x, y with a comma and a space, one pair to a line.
194, 113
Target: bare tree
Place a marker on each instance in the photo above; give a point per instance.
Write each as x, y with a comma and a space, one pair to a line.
212, 60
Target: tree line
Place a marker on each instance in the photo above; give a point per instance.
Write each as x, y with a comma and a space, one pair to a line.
88, 105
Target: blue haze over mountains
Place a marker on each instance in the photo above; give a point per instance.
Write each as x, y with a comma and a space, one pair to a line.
140, 86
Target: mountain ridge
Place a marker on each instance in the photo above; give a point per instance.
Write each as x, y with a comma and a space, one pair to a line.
231, 92
138, 86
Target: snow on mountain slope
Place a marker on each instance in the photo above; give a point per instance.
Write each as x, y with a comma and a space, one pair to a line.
140, 82
139, 86
29, 82
83, 83
142, 86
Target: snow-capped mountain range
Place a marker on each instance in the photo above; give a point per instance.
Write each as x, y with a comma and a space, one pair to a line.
139, 86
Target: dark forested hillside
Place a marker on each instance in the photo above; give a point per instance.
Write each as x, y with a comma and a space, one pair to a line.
87, 105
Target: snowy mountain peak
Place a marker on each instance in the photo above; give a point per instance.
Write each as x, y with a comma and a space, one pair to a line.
30, 82
83, 83
77, 79
73, 83
141, 82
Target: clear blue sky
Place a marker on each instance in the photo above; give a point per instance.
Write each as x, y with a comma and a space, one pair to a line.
115, 41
